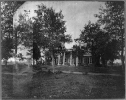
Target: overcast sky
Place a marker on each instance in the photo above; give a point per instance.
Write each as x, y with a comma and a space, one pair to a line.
76, 13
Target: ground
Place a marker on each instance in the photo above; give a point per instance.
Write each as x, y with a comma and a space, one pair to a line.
62, 86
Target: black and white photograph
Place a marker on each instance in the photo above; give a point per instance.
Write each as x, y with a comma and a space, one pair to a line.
63, 49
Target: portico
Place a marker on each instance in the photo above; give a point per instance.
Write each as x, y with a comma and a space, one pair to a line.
69, 58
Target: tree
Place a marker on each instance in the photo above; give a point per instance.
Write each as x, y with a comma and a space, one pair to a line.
51, 29
7, 48
111, 51
98, 43
36, 52
8, 9
7, 29
87, 36
46, 30
106, 48
112, 18
24, 32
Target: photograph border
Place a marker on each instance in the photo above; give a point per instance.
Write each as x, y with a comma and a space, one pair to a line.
66, 1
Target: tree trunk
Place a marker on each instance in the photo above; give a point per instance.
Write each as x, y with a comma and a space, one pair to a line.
93, 58
16, 66
70, 58
33, 62
64, 58
76, 60
55, 61
5, 62
103, 61
97, 61
52, 61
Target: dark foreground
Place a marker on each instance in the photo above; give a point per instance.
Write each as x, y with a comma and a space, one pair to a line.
62, 86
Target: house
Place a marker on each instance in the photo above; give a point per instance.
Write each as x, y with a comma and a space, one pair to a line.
69, 57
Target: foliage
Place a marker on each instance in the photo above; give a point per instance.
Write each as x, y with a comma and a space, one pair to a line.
99, 43
7, 12
50, 28
78, 51
112, 18
8, 9
7, 46
25, 30
44, 31
36, 52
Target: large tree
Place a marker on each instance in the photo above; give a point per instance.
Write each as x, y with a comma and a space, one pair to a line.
8, 9
51, 29
112, 18
87, 36
36, 52
7, 49
98, 43
46, 30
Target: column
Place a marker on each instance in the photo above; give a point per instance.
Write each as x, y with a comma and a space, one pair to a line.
52, 60
59, 59
76, 60
70, 58
28, 62
64, 58
89, 60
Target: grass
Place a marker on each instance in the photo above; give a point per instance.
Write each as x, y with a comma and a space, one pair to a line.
43, 85
7, 85
71, 86
15, 86
65, 86
8, 68
11, 68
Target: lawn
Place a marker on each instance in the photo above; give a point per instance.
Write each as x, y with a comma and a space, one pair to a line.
63, 86
72, 86
11, 68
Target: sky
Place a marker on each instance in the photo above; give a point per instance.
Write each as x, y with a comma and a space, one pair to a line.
76, 14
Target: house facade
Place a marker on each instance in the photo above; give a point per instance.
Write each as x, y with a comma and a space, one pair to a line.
69, 57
